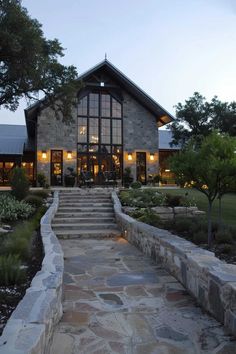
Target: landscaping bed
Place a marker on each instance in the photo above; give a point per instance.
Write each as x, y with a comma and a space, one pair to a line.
146, 204
21, 250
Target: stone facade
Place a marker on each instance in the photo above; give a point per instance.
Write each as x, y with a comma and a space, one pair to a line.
208, 279
140, 134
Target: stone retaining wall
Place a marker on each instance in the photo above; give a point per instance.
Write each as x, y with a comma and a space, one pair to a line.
209, 280
30, 327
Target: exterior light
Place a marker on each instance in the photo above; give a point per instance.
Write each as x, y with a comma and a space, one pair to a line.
69, 154
44, 154
151, 156
130, 157
23, 164
102, 84
167, 170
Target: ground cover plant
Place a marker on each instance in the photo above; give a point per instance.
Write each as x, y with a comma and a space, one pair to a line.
139, 204
20, 242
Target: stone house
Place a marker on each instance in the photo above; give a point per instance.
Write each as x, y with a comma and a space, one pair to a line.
114, 126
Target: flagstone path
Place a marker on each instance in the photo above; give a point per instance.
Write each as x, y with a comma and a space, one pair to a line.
119, 301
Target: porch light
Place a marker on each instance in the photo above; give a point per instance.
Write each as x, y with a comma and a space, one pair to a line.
44, 154
23, 164
152, 156
69, 154
130, 157
167, 170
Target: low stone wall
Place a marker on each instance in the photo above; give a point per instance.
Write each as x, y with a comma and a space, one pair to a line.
209, 280
30, 327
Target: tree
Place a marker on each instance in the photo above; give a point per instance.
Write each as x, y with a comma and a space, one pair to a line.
210, 168
196, 118
29, 62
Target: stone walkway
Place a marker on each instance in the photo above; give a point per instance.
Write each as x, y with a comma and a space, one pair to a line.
119, 301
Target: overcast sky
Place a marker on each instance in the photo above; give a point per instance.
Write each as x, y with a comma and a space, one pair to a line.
170, 48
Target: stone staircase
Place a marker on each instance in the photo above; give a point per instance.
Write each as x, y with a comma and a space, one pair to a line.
84, 214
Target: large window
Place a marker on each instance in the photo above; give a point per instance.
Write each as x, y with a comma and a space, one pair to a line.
100, 134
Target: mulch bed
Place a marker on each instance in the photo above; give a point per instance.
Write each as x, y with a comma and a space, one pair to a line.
11, 296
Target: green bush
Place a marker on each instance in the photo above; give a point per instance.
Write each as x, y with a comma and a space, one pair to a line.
136, 185
41, 178
200, 237
43, 193
223, 236
174, 200
34, 200
156, 179
12, 209
151, 218
11, 272
19, 183
226, 248
182, 224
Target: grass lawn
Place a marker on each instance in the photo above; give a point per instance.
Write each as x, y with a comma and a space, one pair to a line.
228, 203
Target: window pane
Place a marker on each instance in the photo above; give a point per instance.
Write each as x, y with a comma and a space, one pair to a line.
82, 163
83, 106
117, 149
82, 148
116, 165
106, 105
56, 156
116, 131
105, 149
93, 130
116, 108
105, 131
105, 163
82, 130
93, 148
93, 104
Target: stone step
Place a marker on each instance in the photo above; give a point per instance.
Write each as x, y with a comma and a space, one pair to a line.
97, 234
84, 214
84, 204
75, 220
85, 196
84, 226
85, 200
87, 209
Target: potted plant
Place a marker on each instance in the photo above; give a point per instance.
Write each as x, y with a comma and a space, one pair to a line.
128, 179
70, 176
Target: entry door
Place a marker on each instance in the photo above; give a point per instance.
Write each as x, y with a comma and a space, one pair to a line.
56, 167
141, 167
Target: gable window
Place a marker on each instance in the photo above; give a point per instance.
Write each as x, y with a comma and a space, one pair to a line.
93, 130
116, 108
83, 106
116, 131
94, 104
105, 105
105, 131
82, 130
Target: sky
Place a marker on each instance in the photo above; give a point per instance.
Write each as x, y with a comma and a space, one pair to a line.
170, 48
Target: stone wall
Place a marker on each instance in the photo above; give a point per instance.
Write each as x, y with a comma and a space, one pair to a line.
140, 133
211, 281
54, 134
30, 327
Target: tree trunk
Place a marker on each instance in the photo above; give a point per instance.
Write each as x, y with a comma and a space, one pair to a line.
209, 224
220, 213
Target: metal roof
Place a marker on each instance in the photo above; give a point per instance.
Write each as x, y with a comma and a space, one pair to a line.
165, 139
12, 139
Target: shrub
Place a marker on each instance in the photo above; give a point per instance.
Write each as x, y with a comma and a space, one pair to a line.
226, 248
200, 237
149, 217
223, 236
19, 183
174, 200
34, 200
43, 193
136, 185
41, 178
182, 224
156, 179
11, 272
12, 209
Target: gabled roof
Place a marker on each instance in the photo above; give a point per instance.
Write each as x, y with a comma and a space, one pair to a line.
162, 115
165, 139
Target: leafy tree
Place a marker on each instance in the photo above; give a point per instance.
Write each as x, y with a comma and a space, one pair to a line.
29, 62
196, 118
210, 168
19, 183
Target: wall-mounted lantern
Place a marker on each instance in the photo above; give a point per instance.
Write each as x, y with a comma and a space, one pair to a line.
69, 155
44, 154
151, 156
130, 157
167, 170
